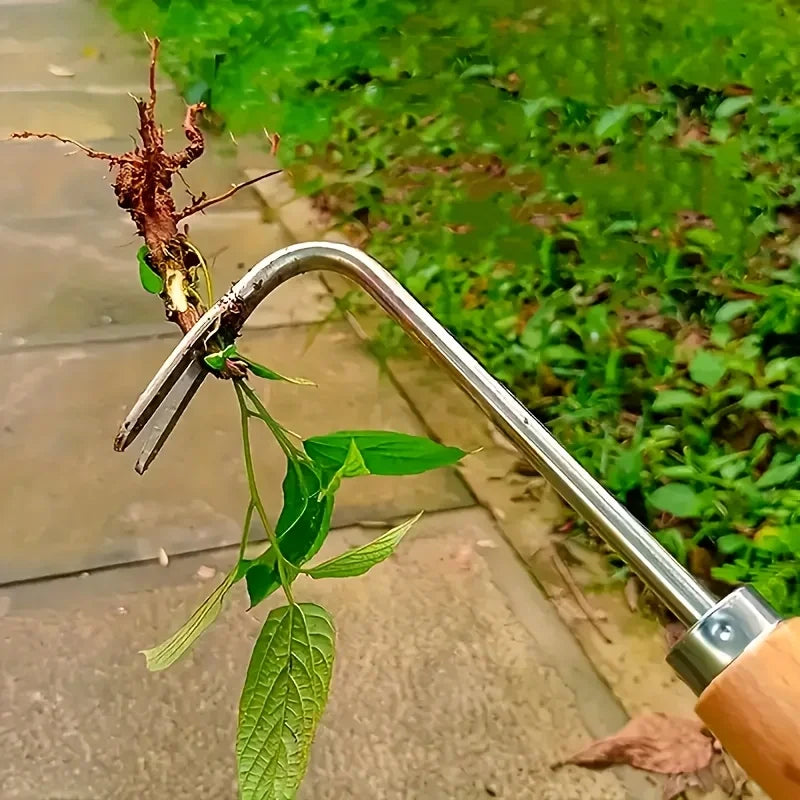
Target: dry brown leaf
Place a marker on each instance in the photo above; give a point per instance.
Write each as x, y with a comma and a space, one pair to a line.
653, 742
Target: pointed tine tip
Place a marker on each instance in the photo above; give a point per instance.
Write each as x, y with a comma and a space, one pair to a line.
169, 412
121, 439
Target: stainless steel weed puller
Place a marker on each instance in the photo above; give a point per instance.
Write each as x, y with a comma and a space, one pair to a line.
738, 655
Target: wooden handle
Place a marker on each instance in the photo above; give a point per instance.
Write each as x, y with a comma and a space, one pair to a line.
753, 708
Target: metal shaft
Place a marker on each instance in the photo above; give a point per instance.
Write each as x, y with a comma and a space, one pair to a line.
677, 589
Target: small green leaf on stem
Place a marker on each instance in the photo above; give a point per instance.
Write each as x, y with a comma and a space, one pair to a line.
217, 360
284, 695
151, 281
265, 372
383, 452
360, 559
168, 652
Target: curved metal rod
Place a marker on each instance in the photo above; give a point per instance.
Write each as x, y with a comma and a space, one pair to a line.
688, 600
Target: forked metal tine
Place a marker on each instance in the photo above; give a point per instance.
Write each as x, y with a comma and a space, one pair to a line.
161, 404
159, 407
169, 412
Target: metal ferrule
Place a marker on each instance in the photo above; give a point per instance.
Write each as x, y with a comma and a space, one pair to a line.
721, 636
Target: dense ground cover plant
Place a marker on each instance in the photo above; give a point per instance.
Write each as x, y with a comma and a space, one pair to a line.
600, 201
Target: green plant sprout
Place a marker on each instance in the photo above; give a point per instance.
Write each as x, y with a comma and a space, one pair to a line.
287, 682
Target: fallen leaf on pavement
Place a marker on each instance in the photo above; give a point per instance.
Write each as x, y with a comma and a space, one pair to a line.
653, 742
682, 749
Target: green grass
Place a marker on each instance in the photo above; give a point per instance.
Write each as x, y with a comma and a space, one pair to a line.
599, 201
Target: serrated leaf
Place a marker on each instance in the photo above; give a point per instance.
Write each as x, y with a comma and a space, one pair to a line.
707, 368
360, 559
775, 476
383, 452
168, 652
284, 695
151, 280
677, 499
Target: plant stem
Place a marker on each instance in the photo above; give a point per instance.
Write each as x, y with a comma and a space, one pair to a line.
248, 517
290, 451
255, 498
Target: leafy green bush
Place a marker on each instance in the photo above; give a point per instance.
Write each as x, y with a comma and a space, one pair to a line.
601, 202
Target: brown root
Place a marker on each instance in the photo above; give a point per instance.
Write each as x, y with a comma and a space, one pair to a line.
143, 186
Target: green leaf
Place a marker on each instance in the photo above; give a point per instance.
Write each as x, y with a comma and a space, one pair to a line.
478, 71
731, 106
645, 337
756, 399
703, 237
672, 399
562, 352
621, 226
383, 452
677, 499
626, 472
707, 368
610, 124
284, 695
301, 529
673, 541
151, 280
216, 361
775, 476
360, 559
168, 652
733, 309
732, 543
353, 467
265, 372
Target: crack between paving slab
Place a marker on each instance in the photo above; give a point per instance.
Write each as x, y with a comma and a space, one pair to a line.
126, 335
214, 549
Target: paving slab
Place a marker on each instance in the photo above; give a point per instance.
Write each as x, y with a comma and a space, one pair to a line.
453, 679
67, 46
63, 277
70, 503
